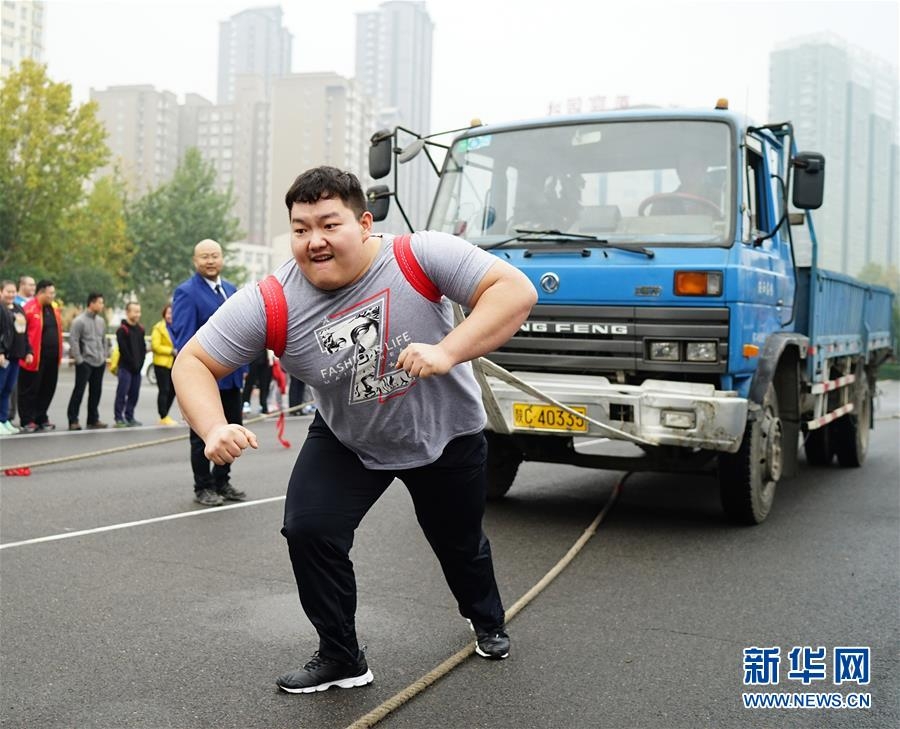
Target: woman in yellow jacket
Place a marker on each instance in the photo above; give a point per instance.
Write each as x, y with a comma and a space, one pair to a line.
163, 358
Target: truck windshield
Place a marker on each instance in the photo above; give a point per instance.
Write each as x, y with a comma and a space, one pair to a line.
650, 182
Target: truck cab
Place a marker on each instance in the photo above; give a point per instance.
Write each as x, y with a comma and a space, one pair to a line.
671, 310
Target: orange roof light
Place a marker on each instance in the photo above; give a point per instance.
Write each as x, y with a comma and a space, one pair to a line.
722, 103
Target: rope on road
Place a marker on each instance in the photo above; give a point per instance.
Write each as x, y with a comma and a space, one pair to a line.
415, 688
134, 446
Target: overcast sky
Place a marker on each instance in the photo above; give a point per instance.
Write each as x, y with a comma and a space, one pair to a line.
494, 60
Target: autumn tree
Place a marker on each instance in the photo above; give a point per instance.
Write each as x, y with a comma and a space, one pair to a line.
99, 250
49, 148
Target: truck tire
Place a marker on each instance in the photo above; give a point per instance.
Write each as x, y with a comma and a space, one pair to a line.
819, 451
747, 479
503, 459
851, 432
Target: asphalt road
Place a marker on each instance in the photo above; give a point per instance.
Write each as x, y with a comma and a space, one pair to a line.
185, 622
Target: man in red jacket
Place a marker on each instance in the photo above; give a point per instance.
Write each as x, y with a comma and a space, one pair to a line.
37, 379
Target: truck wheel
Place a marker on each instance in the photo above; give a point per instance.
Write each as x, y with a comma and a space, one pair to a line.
747, 479
851, 432
819, 451
503, 461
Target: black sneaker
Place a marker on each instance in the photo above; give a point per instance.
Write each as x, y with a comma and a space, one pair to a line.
492, 644
208, 497
230, 493
321, 673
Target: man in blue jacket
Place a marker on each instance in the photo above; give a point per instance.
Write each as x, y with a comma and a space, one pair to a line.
193, 303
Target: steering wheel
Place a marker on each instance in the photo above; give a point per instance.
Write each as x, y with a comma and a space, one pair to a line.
686, 196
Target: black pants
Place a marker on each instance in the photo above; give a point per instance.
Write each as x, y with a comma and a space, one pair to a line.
329, 493
295, 393
200, 464
91, 377
166, 395
36, 391
260, 373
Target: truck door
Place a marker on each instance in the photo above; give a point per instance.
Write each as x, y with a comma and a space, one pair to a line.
765, 276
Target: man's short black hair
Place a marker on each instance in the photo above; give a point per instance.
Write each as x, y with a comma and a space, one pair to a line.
44, 283
324, 183
92, 297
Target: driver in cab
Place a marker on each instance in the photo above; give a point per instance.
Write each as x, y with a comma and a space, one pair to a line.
697, 193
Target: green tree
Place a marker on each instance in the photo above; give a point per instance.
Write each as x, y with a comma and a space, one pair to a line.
48, 149
99, 250
170, 220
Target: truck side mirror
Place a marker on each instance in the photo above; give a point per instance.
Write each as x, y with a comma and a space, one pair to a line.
809, 180
380, 153
378, 201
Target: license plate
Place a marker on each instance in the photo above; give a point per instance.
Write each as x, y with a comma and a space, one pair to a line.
548, 417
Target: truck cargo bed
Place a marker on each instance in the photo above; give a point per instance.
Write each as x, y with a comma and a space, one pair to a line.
841, 316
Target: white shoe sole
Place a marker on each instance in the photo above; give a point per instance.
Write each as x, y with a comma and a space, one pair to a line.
354, 682
481, 652
488, 656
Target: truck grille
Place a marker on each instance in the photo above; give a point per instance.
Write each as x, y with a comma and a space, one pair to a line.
592, 339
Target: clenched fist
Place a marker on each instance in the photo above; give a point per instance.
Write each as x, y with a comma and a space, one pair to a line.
225, 442
425, 360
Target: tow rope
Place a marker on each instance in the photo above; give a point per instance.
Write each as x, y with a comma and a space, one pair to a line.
438, 672
494, 370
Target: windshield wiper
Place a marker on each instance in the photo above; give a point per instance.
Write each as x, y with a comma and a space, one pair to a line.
551, 234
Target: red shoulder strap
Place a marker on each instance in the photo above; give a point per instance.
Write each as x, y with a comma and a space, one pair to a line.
411, 269
276, 314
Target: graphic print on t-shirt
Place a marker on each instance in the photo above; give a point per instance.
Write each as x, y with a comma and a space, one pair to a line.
363, 329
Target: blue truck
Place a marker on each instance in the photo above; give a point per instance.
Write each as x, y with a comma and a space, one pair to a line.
674, 314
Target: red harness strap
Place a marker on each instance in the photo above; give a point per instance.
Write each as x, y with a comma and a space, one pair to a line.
276, 306
276, 314
276, 338
411, 269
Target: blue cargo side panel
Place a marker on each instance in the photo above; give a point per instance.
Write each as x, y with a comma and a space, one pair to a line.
879, 302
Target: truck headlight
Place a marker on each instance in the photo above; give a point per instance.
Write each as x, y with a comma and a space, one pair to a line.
702, 351
665, 351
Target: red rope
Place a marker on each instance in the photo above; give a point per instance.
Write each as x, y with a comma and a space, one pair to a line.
281, 380
17, 471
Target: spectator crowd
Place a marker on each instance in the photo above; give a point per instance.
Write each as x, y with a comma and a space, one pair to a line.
32, 352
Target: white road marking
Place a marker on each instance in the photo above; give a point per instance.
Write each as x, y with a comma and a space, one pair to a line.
129, 524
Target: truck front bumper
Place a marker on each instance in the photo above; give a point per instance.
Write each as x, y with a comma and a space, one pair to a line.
664, 413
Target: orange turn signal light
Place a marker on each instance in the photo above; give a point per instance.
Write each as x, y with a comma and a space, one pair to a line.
751, 350
698, 283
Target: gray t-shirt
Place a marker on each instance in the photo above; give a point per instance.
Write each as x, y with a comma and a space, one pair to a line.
344, 345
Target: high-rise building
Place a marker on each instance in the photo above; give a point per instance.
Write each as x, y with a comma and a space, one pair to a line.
256, 260
234, 138
844, 103
316, 119
143, 133
252, 42
188, 113
393, 67
21, 33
